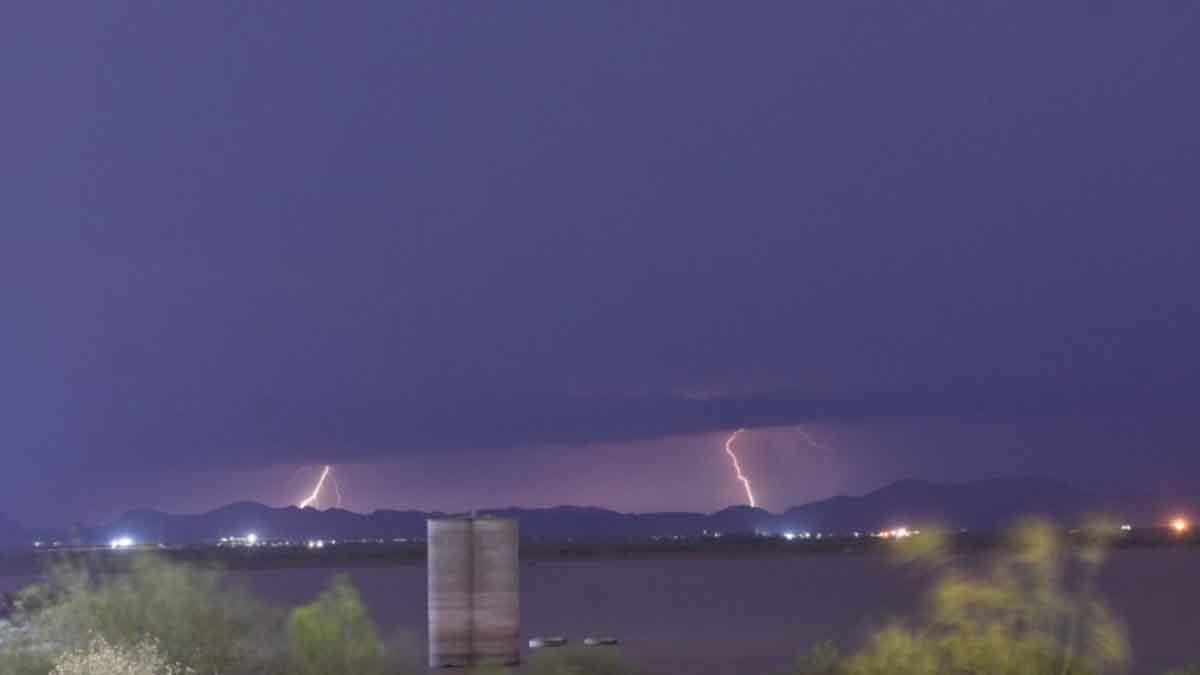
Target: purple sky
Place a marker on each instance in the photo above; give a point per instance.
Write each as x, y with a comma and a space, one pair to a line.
543, 252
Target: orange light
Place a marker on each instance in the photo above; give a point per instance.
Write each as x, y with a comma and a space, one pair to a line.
1180, 525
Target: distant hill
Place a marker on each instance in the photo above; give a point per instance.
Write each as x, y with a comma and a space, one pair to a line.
985, 504
240, 518
979, 505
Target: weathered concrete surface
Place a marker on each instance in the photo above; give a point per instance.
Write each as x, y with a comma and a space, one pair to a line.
473, 594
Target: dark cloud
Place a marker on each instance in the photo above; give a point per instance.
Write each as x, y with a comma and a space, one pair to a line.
270, 234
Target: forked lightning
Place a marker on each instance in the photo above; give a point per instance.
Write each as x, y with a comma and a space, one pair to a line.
737, 466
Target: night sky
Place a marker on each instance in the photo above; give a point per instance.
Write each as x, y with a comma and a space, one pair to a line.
482, 254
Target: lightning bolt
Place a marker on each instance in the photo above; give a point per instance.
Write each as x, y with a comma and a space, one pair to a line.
828, 451
337, 490
316, 490
737, 466
814, 442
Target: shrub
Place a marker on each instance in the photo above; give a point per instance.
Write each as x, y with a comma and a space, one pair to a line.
335, 635
23, 661
821, 659
102, 658
36, 597
195, 618
1018, 619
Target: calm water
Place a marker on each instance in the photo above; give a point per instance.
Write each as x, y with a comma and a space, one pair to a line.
726, 617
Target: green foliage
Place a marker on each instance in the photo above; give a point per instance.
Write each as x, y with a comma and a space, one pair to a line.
931, 547
823, 658
102, 658
35, 598
1017, 619
579, 661
22, 661
195, 619
193, 615
335, 635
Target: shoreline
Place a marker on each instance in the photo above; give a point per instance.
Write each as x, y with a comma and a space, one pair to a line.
533, 553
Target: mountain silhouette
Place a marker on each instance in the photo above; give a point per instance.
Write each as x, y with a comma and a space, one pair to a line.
978, 505
985, 504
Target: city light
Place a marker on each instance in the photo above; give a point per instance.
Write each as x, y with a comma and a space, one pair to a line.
121, 542
789, 535
1126, 528
1180, 525
897, 533
251, 539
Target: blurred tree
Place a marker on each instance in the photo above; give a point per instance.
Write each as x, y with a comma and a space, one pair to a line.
335, 635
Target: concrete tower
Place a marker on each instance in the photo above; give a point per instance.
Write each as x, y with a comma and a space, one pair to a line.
474, 605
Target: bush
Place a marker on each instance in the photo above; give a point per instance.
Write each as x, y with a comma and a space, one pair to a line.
335, 635
22, 661
822, 659
33, 599
1018, 619
102, 658
194, 617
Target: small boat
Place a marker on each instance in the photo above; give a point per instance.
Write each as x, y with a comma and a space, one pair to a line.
539, 642
599, 641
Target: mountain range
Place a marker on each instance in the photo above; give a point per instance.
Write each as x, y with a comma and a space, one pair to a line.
978, 505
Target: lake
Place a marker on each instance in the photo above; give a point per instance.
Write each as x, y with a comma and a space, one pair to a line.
709, 616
